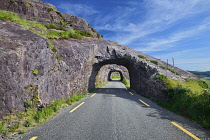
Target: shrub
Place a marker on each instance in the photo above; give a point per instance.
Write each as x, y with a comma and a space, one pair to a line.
141, 56
154, 61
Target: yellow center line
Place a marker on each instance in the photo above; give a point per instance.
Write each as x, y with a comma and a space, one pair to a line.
76, 107
33, 138
144, 102
187, 132
93, 95
131, 93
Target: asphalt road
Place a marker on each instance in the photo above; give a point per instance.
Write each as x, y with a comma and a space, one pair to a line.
114, 113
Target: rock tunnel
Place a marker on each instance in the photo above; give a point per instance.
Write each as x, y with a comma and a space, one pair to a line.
142, 75
142, 78
112, 71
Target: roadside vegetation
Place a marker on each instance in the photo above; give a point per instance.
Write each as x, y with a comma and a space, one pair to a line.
190, 99
33, 116
126, 82
102, 84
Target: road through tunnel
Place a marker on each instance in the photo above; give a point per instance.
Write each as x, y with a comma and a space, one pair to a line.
115, 74
133, 76
142, 72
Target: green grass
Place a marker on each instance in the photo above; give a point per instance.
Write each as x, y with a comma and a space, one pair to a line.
49, 9
54, 50
2, 126
21, 121
141, 56
33, 26
173, 71
35, 72
10, 16
207, 80
53, 26
115, 76
102, 84
41, 30
125, 81
190, 99
154, 62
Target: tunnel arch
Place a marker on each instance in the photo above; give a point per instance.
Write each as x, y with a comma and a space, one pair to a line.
112, 71
142, 69
134, 77
142, 72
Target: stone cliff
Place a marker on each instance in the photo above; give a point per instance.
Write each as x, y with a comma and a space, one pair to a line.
29, 67
37, 10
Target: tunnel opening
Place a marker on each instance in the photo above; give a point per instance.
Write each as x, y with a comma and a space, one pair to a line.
128, 68
142, 72
115, 75
111, 72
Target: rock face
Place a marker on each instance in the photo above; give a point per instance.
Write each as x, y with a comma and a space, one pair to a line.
37, 10
22, 52
29, 67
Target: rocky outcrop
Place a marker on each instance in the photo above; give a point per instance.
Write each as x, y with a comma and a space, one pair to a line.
37, 10
22, 53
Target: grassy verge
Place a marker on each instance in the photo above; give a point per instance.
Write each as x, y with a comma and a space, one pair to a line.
102, 84
98, 86
22, 121
190, 99
125, 81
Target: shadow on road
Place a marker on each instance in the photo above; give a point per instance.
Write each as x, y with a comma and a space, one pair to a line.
153, 111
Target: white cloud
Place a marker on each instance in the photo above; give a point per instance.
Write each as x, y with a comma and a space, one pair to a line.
159, 16
164, 44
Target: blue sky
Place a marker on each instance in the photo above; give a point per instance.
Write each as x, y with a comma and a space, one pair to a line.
160, 28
